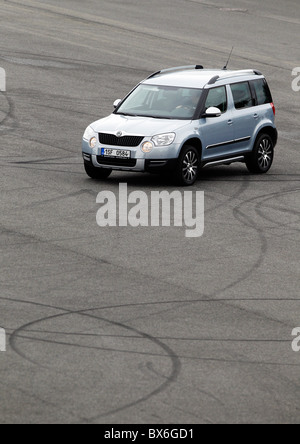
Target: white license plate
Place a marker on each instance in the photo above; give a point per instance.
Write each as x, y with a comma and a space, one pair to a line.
123, 154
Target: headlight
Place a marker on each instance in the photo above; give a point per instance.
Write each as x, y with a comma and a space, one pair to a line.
90, 136
93, 142
164, 139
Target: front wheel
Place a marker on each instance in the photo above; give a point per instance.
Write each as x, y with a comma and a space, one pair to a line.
97, 173
261, 159
188, 165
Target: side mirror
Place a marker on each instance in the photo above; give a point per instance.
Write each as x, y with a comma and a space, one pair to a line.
212, 112
117, 103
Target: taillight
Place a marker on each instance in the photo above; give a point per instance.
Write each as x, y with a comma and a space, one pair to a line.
273, 108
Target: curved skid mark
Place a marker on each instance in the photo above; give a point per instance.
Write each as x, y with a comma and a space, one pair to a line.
176, 365
249, 222
242, 188
259, 211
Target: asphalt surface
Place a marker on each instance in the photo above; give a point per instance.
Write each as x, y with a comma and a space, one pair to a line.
141, 325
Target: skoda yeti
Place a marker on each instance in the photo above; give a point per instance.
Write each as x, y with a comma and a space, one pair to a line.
181, 120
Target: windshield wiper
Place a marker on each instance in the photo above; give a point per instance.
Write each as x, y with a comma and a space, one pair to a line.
144, 115
159, 117
127, 114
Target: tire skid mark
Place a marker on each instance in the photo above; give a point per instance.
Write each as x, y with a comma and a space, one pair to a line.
246, 220
241, 189
46, 160
162, 338
142, 353
176, 365
57, 199
259, 211
152, 354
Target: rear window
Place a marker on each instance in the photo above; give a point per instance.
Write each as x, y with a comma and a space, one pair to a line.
262, 91
242, 95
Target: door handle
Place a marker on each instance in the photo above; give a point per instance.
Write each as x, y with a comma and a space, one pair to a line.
230, 122
256, 116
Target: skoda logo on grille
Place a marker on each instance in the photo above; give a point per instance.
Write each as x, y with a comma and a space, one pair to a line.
119, 134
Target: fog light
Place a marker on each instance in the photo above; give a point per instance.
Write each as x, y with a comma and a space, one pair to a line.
93, 142
147, 147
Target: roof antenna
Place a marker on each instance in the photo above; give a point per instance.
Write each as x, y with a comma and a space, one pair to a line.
225, 67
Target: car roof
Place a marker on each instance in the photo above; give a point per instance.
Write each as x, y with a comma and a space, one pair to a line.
195, 77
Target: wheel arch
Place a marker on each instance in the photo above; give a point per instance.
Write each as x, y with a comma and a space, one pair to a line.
270, 131
195, 142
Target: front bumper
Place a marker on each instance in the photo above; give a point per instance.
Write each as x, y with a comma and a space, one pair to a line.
139, 165
159, 160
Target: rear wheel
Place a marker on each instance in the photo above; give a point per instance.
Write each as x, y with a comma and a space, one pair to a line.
187, 169
261, 159
97, 173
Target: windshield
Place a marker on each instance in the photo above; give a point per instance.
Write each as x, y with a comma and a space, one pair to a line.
161, 102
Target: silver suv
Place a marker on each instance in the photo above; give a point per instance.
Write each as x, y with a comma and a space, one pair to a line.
184, 119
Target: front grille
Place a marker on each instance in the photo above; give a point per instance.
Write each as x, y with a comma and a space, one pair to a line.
116, 162
112, 140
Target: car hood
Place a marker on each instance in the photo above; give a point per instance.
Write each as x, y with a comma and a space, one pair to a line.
139, 126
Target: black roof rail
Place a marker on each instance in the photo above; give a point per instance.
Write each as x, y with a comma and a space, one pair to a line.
153, 74
213, 80
178, 68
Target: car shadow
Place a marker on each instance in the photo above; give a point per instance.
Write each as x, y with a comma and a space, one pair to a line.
146, 180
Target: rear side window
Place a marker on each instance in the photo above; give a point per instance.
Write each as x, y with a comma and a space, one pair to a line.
262, 91
217, 97
242, 95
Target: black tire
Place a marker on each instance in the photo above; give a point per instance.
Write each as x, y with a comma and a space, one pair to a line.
97, 173
261, 159
188, 166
